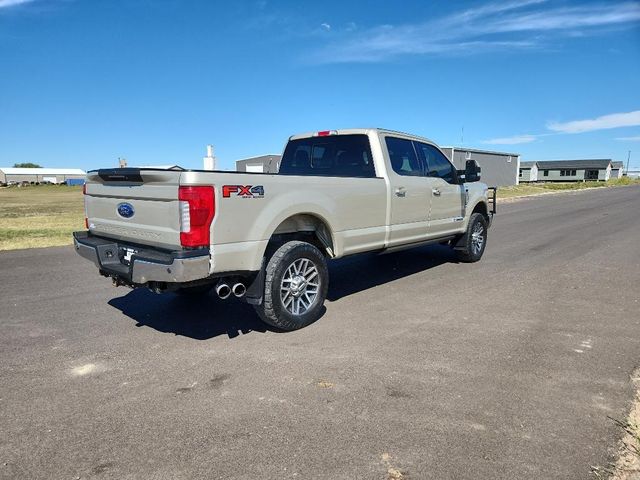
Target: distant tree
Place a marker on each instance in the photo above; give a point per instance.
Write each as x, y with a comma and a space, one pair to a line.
26, 165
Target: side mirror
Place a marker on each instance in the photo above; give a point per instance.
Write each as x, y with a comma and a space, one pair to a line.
472, 171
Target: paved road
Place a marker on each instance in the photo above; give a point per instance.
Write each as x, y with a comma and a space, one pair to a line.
503, 369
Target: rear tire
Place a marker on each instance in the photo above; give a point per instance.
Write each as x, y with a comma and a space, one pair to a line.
471, 246
295, 288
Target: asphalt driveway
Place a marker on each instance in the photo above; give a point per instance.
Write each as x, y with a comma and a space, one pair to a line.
420, 368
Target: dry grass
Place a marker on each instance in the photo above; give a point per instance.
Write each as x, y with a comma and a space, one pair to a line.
627, 463
527, 189
521, 190
39, 216
45, 215
393, 473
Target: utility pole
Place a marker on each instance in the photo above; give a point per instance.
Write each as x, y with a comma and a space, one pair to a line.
628, 158
462, 137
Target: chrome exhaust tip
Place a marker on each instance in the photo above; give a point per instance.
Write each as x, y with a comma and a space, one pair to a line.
223, 290
239, 290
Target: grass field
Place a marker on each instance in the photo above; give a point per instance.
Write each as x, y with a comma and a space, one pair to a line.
45, 215
526, 189
39, 216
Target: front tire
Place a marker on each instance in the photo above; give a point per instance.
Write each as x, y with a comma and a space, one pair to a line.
471, 246
296, 284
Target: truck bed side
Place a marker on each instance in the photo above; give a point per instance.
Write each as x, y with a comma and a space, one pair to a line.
249, 208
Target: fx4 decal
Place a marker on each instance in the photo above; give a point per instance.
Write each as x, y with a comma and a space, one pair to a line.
244, 191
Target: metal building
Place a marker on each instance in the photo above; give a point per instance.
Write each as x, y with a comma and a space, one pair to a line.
528, 171
40, 175
574, 170
262, 163
498, 169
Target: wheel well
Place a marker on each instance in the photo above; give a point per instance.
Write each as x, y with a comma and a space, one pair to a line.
305, 227
481, 208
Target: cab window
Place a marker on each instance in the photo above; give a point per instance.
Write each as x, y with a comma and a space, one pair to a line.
332, 156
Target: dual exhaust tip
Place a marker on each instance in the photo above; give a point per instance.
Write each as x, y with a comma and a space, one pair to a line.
224, 290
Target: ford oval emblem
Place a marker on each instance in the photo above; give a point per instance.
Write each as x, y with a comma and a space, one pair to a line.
126, 210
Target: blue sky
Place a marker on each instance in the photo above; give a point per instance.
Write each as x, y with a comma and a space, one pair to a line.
83, 82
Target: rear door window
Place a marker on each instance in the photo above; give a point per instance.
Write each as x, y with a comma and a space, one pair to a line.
331, 156
403, 158
436, 164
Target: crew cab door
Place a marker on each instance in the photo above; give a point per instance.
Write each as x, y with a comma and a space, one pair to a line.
447, 200
410, 192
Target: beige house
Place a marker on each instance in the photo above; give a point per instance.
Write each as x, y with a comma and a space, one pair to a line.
574, 170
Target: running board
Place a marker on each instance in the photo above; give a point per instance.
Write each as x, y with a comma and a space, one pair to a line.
417, 244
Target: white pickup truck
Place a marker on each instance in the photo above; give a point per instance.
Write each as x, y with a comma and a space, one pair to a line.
266, 237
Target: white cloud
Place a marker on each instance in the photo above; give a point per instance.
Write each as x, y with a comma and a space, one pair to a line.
570, 17
605, 122
326, 26
12, 3
614, 120
513, 25
515, 140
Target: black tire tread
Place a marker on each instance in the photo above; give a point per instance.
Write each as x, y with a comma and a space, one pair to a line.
464, 252
267, 310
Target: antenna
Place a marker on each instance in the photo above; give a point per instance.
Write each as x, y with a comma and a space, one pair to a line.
462, 136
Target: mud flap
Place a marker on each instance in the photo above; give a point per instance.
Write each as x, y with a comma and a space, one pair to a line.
255, 291
460, 243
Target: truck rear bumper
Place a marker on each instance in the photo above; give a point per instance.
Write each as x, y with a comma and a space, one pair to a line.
144, 264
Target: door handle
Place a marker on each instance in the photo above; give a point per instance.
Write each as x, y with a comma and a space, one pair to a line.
436, 192
400, 192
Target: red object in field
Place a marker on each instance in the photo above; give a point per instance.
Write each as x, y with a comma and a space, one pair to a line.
197, 209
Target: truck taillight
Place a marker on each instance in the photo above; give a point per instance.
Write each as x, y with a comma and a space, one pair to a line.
197, 208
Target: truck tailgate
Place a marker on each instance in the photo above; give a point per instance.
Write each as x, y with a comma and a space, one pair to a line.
135, 205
